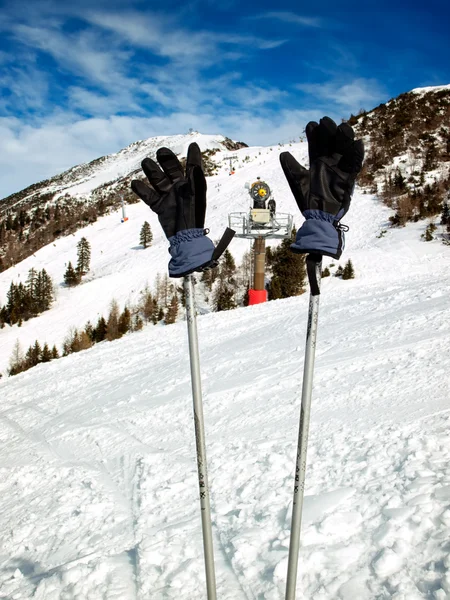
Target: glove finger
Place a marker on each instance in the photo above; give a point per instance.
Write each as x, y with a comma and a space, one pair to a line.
198, 188
149, 196
194, 158
326, 137
312, 143
298, 178
170, 164
344, 138
352, 159
163, 206
156, 177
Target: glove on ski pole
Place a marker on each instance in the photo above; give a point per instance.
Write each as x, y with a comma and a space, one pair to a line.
323, 193
179, 200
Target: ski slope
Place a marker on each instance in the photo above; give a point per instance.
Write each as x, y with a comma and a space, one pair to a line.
99, 489
120, 267
99, 494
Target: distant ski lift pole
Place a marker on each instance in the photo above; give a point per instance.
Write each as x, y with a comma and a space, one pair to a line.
232, 171
124, 215
260, 223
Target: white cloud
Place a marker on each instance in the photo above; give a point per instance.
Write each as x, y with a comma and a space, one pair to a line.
82, 53
27, 85
290, 17
165, 38
351, 96
32, 153
169, 93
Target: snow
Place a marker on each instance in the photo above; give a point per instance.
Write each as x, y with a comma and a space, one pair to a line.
120, 267
99, 493
434, 88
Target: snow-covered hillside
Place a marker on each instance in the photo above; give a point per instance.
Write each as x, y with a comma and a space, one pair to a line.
99, 493
120, 267
82, 180
99, 486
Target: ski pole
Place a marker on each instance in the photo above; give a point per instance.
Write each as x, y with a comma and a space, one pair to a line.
191, 317
314, 270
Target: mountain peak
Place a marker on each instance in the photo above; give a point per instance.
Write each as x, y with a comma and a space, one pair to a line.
426, 90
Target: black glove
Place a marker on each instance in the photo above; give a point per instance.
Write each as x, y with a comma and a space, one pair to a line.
179, 200
323, 193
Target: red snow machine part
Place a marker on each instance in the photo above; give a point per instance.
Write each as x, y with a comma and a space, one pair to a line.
256, 297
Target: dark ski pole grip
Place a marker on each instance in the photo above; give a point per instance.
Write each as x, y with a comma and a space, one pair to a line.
314, 271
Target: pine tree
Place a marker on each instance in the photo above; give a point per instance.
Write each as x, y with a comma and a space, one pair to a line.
16, 361
89, 330
11, 299
245, 297
348, 272
288, 271
138, 323
17, 304
227, 266
112, 325
399, 181
84, 257
44, 291
172, 311
209, 277
33, 355
3, 316
31, 285
275, 288
339, 271
124, 324
100, 330
46, 355
428, 235
148, 306
445, 216
326, 272
55, 353
69, 341
37, 352
146, 236
224, 297
83, 342
225, 291
182, 295
71, 277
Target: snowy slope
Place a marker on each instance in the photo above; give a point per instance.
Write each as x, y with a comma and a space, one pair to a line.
83, 179
98, 474
434, 88
120, 267
99, 493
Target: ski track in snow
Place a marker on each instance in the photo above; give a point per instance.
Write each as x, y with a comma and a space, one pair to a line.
99, 490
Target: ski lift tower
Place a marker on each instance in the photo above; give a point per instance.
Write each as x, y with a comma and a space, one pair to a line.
261, 223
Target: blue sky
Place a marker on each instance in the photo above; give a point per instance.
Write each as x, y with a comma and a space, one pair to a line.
83, 79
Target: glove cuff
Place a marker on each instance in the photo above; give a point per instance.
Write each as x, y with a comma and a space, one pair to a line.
190, 250
319, 235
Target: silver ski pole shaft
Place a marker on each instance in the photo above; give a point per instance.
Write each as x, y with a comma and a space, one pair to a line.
314, 267
191, 317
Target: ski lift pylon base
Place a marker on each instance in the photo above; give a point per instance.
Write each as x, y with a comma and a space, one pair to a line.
256, 297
